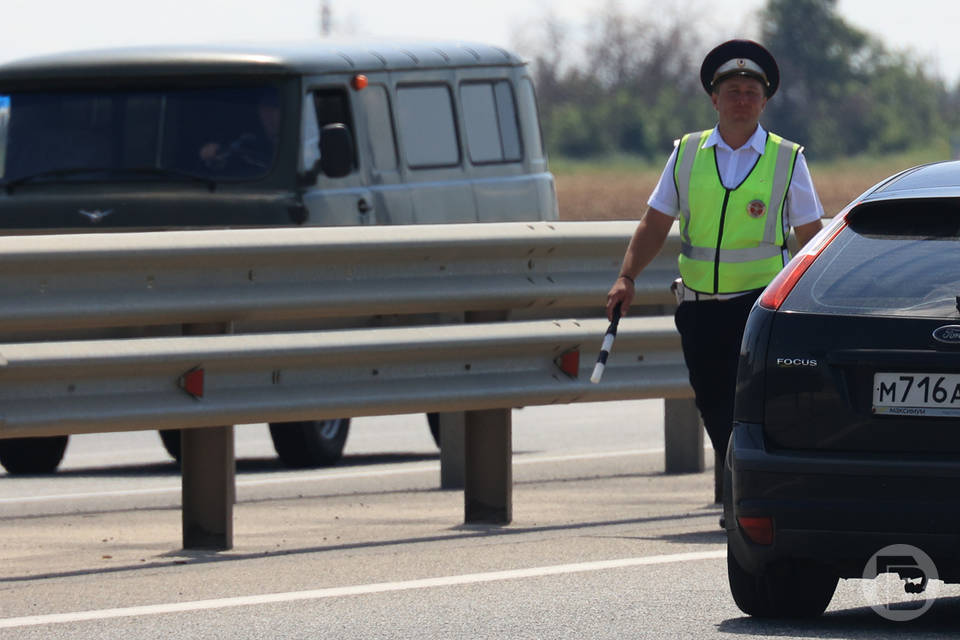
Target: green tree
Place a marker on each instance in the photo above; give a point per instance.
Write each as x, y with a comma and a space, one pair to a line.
632, 89
842, 91
634, 85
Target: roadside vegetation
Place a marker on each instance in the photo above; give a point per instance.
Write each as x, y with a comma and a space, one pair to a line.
615, 93
617, 187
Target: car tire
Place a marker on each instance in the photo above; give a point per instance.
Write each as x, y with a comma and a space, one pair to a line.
784, 590
310, 443
171, 442
32, 455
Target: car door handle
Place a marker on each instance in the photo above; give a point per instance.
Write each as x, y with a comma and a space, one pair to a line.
363, 205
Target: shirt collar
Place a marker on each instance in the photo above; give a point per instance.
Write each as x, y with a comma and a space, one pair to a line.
757, 142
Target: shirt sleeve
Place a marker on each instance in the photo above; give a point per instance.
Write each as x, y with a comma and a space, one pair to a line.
664, 197
803, 205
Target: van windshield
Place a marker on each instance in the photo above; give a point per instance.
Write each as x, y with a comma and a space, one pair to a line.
211, 133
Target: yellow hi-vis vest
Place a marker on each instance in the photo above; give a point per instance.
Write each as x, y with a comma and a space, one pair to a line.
732, 240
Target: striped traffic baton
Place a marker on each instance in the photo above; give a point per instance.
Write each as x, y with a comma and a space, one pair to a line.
607, 345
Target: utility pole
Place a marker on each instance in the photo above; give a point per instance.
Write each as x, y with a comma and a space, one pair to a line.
325, 18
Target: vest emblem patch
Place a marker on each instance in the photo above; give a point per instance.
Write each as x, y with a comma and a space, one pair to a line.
756, 208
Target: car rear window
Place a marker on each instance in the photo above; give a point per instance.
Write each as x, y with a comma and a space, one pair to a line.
895, 258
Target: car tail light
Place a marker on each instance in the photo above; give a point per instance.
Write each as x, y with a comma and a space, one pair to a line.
781, 286
758, 529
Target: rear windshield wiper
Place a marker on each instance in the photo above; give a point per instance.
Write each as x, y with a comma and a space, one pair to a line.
10, 185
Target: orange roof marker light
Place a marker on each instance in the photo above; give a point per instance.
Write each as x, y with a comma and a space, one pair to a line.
359, 82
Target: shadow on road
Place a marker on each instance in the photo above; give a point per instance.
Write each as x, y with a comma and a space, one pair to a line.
941, 621
244, 465
459, 532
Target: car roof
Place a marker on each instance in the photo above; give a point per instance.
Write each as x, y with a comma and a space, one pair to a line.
935, 180
301, 58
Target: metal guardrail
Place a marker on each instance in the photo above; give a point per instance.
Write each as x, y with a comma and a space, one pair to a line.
58, 388
479, 287
267, 276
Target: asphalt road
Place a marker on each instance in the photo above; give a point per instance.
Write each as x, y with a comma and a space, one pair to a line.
603, 545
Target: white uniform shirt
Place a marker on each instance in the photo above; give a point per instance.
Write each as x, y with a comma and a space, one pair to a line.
802, 204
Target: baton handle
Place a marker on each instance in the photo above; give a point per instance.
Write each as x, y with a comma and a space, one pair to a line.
606, 347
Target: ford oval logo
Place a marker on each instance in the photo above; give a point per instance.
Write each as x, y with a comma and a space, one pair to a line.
949, 334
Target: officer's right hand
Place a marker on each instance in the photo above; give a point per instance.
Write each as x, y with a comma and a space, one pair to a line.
621, 292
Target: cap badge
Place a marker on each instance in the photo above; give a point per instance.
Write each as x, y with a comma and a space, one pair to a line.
741, 63
756, 208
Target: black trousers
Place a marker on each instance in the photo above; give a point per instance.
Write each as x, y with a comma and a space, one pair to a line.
711, 332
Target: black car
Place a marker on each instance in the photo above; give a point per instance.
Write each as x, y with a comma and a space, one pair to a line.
846, 435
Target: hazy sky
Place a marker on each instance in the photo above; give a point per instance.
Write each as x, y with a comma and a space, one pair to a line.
927, 27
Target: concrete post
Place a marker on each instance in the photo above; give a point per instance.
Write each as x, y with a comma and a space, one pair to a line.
683, 436
489, 474
452, 449
208, 487
208, 475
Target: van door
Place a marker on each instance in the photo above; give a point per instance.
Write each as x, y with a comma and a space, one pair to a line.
431, 151
332, 201
377, 144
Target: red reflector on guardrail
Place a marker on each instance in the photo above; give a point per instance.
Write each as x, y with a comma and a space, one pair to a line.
569, 362
192, 382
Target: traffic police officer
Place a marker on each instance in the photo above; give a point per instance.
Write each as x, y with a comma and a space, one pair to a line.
737, 190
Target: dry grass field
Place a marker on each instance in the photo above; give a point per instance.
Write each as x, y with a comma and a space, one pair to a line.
619, 190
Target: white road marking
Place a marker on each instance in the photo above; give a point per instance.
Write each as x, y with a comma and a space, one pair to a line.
301, 478
363, 589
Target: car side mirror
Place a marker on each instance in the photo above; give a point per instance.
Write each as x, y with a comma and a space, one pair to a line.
336, 150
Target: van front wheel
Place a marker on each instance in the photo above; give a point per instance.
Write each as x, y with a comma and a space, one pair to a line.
310, 443
32, 455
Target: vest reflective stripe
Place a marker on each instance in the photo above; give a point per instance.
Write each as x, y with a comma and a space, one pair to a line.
730, 255
727, 245
781, 182
683, 173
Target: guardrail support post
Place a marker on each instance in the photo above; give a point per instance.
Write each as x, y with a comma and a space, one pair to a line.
208, 487
452, 456
208, 475
489, 475
682, 436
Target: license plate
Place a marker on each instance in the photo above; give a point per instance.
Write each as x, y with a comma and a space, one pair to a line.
916, 394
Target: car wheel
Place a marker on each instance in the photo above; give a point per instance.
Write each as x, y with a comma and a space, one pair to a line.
32, 455
784, 590
310, 443
171, 442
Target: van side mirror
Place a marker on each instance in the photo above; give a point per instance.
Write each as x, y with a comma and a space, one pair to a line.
336, 150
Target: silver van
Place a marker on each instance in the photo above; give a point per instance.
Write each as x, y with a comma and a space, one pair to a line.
324, 133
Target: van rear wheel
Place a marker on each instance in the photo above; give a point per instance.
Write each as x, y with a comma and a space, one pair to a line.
32, 455
310, 443
171, 442
433, 421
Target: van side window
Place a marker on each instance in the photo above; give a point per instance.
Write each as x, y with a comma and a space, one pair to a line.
490, 118
332, 107
427, 130
528, 114
376, 105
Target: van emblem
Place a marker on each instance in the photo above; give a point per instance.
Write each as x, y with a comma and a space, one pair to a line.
949, 334
96, 215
